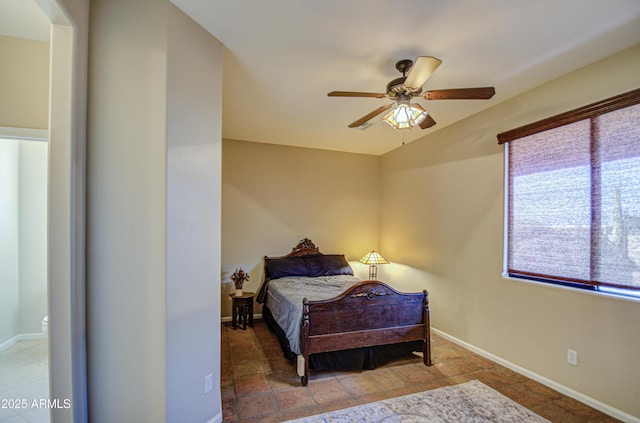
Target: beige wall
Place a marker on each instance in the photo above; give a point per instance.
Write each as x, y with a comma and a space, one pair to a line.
273, 196
154, 119
194, 155
126, 201
24, 83
442, 226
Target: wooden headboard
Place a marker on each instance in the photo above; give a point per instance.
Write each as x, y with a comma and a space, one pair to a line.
304, 248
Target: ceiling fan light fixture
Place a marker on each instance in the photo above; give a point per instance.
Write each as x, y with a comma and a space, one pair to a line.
405, 115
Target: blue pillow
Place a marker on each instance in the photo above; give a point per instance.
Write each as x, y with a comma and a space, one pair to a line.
328, 265
293, 266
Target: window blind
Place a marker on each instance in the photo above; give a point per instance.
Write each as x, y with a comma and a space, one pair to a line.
573, 203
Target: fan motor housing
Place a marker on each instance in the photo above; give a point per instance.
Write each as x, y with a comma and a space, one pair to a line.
396, 87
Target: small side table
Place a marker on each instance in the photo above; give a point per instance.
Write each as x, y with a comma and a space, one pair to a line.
242, 309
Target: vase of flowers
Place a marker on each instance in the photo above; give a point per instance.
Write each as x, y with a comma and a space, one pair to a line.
239, 277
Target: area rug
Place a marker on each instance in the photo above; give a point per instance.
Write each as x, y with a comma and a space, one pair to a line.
468, 402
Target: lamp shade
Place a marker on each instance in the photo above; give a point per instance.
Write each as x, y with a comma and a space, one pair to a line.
405, 115
373, 258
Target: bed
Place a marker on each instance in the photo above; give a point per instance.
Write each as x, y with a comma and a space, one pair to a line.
326, 318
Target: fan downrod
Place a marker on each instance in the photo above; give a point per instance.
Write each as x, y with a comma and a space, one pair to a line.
404, 65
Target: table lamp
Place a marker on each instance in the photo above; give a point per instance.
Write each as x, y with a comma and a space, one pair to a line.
372, 258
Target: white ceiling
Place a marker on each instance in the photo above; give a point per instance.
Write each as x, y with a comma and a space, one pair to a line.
23, 19
283, 56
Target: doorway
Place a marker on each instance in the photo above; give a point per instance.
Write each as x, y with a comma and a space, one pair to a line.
67, 25
24, 352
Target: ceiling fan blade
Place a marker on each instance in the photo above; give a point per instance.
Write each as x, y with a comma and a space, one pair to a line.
483, 93
354, 94
428, 122
421, 70
373, 114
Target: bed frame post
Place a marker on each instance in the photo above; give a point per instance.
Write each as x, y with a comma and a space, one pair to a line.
426, 353
304, 378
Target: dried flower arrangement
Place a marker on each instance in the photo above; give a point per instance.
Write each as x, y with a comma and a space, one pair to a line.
239, 277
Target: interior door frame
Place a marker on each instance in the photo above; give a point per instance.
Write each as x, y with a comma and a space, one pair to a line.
67, 207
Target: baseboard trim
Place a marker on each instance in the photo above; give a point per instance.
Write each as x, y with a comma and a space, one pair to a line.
21, 337
598, 405
8, 343
216, 419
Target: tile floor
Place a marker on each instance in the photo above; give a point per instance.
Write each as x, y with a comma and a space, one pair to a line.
24, 376
259, 385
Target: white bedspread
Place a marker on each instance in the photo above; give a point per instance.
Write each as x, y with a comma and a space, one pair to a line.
284, 299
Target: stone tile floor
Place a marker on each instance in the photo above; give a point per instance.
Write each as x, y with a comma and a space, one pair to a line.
259, 385
24, 377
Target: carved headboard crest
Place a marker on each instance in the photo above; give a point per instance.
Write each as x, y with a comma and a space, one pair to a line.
304, 247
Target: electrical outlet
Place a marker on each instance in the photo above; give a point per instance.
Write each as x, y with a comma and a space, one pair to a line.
572, 357
208, 383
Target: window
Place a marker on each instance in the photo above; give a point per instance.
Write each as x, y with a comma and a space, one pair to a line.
573, 197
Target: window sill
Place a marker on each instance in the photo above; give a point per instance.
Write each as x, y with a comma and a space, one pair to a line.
601, 292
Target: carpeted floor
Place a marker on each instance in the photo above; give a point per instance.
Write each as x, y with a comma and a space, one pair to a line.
467, 402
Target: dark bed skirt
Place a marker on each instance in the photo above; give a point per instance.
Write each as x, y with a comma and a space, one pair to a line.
354, 359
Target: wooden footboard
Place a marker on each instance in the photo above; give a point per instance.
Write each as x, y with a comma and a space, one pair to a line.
368, 314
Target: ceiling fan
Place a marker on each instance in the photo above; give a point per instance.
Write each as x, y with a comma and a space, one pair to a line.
407, 115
